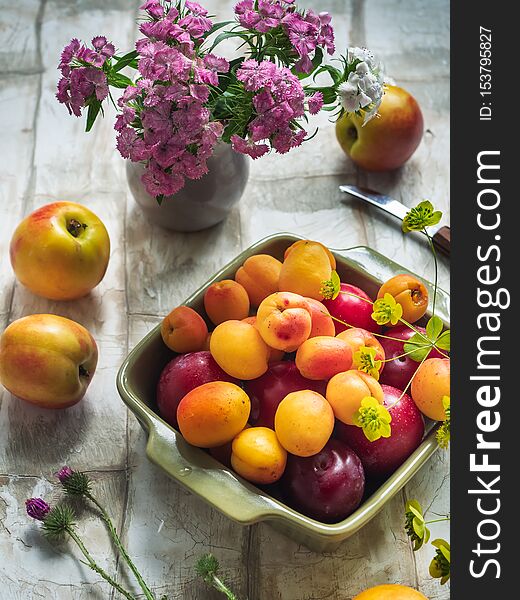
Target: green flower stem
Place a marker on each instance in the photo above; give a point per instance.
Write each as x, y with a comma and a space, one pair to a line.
95, 567
430, 241
117, 541
381, 335
447, 518
221, 587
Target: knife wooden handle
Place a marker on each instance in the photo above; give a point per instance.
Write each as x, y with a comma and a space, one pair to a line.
442, 240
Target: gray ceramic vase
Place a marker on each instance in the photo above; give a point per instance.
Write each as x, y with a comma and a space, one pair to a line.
201, 203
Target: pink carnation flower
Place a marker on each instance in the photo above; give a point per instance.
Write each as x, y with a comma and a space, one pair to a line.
248, 147
315, 103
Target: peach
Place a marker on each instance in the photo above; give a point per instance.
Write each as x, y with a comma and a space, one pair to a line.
284, 320
430, 384
323, 357
357, 337
345, 391
258, 456
322, 323
47, 360
306, 266
184, 330
304, 422
239, 350
411, 294
213, 414
226, 300
259, 276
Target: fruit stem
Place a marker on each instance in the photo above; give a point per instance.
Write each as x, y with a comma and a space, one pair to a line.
430, 241
74, 227
83, 372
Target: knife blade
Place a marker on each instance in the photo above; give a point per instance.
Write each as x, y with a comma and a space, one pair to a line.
440, 234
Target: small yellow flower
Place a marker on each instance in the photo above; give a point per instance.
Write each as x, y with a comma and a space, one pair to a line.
421, 216
330, 289
440, 567
365, 360
374, 419
443, 433
387, 310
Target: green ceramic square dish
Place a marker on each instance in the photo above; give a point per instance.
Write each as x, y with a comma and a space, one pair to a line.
220, 487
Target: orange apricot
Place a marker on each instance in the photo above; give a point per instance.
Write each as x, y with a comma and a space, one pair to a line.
430, 384
274, 354
345, 391
390, 591
184, 330
258, 456
259, 276
306, 266
322, 323
323, 357
213, 414
226, 300
284, 320
304, 422
411, 294
239, 349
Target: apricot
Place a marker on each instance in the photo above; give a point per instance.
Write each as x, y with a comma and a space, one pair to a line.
274, 354
345, 391
184, 330
304, 422
239, 350
390, 591
429, 385
306, 266
284, 320
213, 414
226, 300
223, 453
411, 294
258, 456
322, 323
357, 337
323, 357
259, 276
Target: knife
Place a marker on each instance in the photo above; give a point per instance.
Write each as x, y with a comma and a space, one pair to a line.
440, 234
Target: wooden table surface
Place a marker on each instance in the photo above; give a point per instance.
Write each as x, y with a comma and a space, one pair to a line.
46, 156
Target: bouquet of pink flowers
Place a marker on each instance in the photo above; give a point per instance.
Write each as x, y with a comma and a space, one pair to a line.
184, 98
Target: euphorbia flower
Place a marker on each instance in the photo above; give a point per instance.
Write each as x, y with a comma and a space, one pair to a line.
387, 310
373, 418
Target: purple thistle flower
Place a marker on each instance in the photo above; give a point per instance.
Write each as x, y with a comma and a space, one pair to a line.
37, 508
64, 473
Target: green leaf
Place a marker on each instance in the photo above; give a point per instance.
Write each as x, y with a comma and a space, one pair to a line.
93, 110
417, 348
118, 80
226, 35
434, 328
216, 27
128, 60
443, 341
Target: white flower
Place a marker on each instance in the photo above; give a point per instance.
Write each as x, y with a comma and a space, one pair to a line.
364, 88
